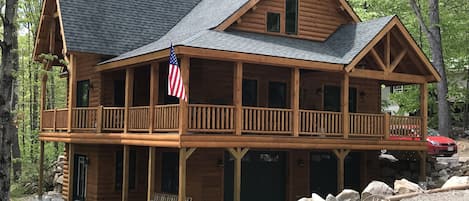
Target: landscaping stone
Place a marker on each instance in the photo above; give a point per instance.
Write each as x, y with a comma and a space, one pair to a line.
404, 186
348, 195
456, 181
377, 188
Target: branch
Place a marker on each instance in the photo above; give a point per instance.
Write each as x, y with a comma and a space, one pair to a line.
418, 14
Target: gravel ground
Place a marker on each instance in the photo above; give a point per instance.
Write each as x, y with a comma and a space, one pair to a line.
450, 196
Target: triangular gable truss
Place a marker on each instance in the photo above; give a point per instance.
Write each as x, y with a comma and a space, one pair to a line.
50, 26
387, 58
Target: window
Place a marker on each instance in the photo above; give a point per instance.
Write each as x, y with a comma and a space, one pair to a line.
332, 99
291, 16
79, 177
120, 166
249, 92
277, 95
273, 22
83, 93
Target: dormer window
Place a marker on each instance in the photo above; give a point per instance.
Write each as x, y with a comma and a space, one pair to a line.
291, 16
273, 22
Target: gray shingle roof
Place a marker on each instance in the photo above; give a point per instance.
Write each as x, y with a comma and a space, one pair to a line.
113, 27
340, 48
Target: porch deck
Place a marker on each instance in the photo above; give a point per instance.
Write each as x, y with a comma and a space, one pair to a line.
221, 119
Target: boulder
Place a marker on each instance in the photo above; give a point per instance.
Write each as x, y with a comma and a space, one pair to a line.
404, 186
305, 199
377, 188
441, 165
331, 198
316, 197
456, 181
348, 195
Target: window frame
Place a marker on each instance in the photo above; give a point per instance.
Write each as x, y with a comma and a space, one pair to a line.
278, 16
295, 31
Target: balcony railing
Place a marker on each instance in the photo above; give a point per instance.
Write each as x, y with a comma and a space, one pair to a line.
221, 119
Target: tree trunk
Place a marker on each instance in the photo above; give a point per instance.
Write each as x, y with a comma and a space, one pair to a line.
434, 39
9, 66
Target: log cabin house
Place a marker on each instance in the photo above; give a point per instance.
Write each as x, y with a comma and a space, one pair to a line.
284, 97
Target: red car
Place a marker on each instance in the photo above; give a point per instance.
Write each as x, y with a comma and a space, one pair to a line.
437, 145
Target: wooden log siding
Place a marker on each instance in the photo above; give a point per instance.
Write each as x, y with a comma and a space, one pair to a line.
113, 118
166, 118
84, 118
320, 123
367, 125
267, 120
211, 118
405, 126
138, 118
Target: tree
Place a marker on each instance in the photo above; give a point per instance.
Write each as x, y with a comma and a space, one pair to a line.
9, 66
433, 33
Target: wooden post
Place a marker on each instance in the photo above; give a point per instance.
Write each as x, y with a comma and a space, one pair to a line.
424, 110
387, 51
151, 173
340, 154
238, 97
238, 155
129, 93
55, 120
183, 105
72, 87
71, 169
345, 105
125, 173
387, 125
184, 154
295, 100
41, 170
99, 119
154, 86
43, 98
423, 165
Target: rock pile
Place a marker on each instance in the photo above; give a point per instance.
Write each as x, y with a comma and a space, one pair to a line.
58, 172
441, 169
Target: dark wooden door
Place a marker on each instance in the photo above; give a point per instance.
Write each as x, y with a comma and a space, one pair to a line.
79, 177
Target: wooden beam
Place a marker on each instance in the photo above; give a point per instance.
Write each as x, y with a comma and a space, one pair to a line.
371, 45
387, 50
189, 152
350, 11
345, 105
379, 75
71, 169
41, 170
387, 126
151, 173
184, 154
154, 91
72, 87
183, 105
238, 155
238, 96
340, 154
62, 31
43, 97
378, 59
52, 37
237, 15
125, 173
397, 60
295, 100
99, 119
423, 165
129, 93
424, 110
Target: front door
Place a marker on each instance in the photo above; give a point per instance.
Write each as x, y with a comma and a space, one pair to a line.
79, 177
263, 176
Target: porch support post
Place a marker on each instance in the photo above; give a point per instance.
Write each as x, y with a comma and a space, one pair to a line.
295, 100
340, 154
41, 170
184, 154
345, 105
125, 173
72, 87
129, 93
238, 97
71, 169
183, 105
423, 165
151, 173
424, 110
238, 155
43, 98
155, 67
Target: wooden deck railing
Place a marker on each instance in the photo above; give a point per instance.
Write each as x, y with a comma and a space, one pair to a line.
211, 118
320, 123
221, 119
367, 125
266, 120
166, 118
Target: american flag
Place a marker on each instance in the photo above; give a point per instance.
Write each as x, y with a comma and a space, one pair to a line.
175, 85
